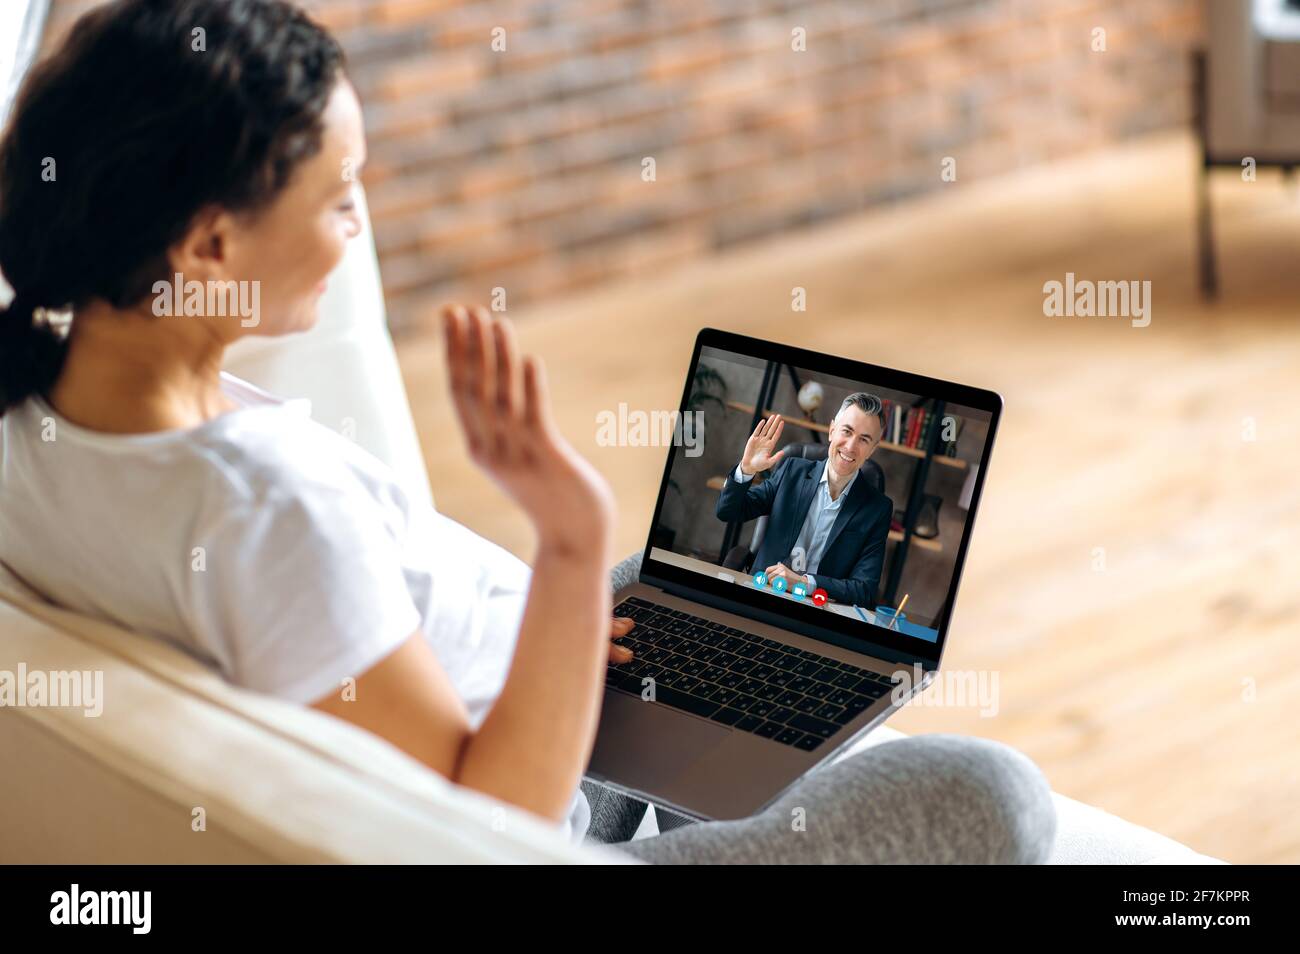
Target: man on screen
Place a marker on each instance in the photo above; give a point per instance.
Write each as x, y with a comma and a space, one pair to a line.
817, 508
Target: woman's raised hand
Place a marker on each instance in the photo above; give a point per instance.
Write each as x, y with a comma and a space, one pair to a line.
504, 409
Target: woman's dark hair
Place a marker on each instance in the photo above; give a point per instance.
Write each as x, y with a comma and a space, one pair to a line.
150, 111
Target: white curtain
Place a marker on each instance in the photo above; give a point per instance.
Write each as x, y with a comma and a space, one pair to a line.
21, 23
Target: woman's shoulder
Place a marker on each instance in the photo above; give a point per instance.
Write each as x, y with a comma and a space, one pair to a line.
270, 454
261, 453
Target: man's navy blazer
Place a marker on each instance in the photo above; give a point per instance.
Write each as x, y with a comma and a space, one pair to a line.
850, 566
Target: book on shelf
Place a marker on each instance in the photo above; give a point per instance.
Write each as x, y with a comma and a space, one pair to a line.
911, 427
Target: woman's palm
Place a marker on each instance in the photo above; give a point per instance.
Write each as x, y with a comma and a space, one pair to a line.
511, 434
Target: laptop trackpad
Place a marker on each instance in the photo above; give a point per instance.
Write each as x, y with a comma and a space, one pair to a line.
644, 746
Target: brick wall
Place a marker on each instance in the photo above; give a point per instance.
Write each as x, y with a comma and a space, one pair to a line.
523, 168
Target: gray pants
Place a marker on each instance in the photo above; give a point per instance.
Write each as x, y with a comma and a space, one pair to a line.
928, 799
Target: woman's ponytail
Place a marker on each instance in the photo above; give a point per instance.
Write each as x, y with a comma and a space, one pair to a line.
31, 352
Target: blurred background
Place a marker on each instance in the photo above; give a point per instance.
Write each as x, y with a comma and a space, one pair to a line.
617, 174
520, 166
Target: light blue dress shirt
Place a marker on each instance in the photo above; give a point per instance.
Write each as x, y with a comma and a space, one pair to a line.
817, 525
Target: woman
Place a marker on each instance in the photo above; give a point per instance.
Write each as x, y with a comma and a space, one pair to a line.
201, 154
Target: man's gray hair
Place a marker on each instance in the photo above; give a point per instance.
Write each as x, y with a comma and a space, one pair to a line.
868, 404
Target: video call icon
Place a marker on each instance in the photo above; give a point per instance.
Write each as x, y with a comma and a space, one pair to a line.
798, 590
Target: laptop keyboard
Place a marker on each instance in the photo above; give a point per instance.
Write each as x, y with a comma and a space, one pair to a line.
758, 685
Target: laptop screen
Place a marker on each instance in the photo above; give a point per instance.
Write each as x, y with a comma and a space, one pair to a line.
827, 495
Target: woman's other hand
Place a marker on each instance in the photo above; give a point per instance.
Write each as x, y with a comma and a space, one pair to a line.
619, 628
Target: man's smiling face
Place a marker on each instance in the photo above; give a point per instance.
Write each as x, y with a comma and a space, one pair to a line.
855, 435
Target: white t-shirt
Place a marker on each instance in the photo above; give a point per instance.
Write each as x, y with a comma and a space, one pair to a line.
261, 542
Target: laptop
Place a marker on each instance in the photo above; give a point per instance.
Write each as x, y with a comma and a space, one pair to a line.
779, 620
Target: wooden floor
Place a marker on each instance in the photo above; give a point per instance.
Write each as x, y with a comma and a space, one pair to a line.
1164, 687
